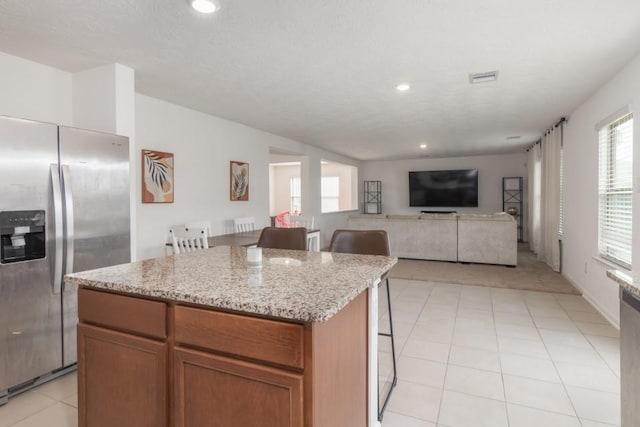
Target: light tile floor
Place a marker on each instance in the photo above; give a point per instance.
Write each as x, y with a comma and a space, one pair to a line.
471, 356
53, 404
468, 356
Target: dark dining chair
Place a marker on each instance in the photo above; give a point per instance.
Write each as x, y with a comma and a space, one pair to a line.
283, 238
369, 242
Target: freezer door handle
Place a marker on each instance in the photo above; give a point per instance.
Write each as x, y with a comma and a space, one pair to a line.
57, 217
68, 202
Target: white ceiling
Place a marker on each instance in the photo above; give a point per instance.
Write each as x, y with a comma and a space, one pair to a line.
323, 72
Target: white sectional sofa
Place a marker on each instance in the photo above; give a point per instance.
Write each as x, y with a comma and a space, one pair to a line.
487, 239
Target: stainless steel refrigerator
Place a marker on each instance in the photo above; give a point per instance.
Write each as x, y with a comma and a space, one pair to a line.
64, 207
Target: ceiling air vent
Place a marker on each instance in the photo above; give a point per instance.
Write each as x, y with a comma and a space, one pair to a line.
514, 137
488, 76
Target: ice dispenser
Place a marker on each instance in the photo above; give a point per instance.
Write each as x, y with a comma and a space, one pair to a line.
22, 236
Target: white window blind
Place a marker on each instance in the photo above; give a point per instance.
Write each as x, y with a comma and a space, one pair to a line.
296, 195
615, 190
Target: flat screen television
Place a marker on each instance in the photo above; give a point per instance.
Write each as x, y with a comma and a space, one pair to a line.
454, 188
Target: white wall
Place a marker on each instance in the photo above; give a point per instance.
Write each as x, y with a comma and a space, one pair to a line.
394, 175
580, 241
281, 186
34, 91
348, 182
203, 145
104, 99
310, 158
94, 98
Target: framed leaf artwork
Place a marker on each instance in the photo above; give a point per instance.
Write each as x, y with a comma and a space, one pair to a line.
239, 173
157, 177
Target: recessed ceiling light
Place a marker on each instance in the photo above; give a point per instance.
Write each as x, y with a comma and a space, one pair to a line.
203, 6
423, 146
403, 87
485, 77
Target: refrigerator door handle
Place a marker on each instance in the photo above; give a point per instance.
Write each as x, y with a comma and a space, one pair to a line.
68, 201
57, 216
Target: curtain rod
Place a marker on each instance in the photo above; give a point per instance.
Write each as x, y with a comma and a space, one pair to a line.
534, 144
561, 121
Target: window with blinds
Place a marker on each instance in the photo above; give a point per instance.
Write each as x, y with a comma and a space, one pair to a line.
295, 190
615, 191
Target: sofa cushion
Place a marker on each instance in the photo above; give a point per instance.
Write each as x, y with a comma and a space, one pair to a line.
488, 242
501, 216
444, 216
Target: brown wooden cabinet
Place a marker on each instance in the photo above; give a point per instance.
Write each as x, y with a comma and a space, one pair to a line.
122, 379
145, 362
217, 391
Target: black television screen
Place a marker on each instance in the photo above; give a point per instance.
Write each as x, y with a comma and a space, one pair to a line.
457, 188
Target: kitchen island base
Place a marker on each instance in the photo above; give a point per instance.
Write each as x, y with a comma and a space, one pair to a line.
151, 362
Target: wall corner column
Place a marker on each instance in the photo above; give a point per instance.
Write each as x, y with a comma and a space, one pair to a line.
104, 100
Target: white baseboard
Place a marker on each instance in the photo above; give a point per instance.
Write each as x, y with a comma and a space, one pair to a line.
594, 302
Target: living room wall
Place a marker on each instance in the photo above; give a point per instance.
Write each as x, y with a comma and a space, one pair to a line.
581, 264
203, 145
394, 175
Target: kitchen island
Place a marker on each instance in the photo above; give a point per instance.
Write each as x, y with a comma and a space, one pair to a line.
202, 339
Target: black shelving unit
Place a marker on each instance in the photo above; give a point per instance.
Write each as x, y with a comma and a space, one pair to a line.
512, 195
372, 201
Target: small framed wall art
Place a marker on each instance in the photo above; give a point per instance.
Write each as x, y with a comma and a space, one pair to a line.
239, 181
157, 177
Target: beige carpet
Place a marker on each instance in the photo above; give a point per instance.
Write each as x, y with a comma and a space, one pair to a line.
530, 274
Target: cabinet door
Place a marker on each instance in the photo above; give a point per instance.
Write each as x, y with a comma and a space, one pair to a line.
122, 379
217, 391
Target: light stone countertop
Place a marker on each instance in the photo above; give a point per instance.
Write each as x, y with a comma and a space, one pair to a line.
297, 285
627, 280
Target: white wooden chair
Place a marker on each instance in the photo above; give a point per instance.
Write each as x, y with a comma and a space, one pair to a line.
301, 221
188, 239
244, 224
200, 224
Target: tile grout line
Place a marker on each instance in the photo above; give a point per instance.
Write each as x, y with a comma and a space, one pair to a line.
446, 371
37, 412
593, 346
601, 356
504, 388
553, 362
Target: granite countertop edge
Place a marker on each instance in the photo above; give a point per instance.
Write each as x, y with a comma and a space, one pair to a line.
310, 316
287, 302
626, 281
